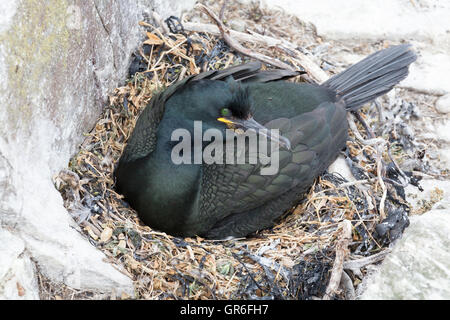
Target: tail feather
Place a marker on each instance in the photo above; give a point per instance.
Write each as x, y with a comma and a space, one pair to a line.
373, 76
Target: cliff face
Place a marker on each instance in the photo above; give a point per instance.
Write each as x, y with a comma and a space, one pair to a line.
58, 62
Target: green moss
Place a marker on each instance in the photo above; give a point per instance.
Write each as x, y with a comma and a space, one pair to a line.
37, 41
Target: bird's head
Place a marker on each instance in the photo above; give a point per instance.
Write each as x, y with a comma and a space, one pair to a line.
221, 105
238, 116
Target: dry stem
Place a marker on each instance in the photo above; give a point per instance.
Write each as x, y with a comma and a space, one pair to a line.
232, 37
341, 253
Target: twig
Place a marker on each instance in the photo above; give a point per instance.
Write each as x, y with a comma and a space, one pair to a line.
347, 285
248, 271
269, 263
400, 171
254, 37
379, 109
234, 44
160, 21
380, 143
365, 125
341, 253
356, 265
347, 184
381, 182
222, 10
271, 280
313, 70
358, 136
363, 224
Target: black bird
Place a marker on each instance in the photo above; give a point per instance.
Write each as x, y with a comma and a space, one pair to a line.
222, 200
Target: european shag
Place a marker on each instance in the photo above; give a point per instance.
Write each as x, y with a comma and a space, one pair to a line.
217, 200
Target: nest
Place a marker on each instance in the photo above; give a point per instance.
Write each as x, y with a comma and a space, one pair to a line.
299, 258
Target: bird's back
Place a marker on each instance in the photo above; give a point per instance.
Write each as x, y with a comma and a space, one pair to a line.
238, 196
281, 99
220, 200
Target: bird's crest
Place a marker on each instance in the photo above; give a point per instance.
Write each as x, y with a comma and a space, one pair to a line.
241, 104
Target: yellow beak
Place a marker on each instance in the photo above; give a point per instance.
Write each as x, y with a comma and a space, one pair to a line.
252, 124
224, 120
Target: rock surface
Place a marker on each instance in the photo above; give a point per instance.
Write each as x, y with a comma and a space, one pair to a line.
443, 104
17, 280
341, 167
435, 195
417, 268
424, 23
366, 19
58, 62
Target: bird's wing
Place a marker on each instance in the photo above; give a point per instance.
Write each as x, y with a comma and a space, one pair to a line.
143, 139
249, 72
229, 190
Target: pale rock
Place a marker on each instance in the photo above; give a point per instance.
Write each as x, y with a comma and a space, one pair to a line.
444, 156
419, 265
348, 58
443, 104
428, 136
426, 21
22, 285
17, 280
426, 74
340, 166
423, 23
429, 196
8, 10
10, 250
442, 129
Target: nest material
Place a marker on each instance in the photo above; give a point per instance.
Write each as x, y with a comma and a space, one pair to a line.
292, 260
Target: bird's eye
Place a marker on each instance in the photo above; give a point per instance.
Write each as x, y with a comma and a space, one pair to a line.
225, 112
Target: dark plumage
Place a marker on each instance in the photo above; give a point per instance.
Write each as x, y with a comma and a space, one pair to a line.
220, 200
240, 105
